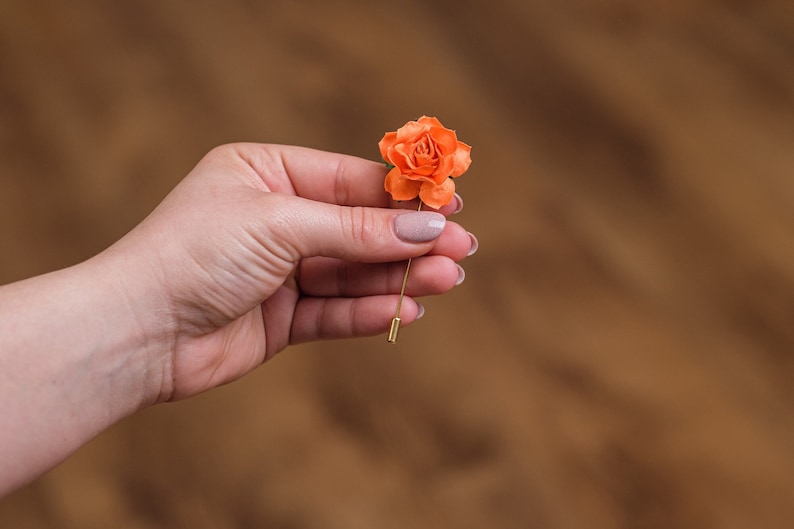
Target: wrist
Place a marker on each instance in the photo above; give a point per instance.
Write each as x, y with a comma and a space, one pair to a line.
139, 323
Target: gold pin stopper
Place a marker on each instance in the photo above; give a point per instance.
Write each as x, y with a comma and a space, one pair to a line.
394, 330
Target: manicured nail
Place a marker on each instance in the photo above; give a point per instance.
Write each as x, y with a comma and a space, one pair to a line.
421, 311
474, 244
461, 275
419, 226
459, 206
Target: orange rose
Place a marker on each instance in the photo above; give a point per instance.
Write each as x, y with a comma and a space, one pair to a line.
425, 157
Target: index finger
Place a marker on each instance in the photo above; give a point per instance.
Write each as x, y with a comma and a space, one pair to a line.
318, 175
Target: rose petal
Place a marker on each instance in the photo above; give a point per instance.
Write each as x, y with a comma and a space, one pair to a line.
446, 139
387, 143
401, 155
400, 187
410, 131
425, 170
427, 120
435, 195
444, 169
462, 159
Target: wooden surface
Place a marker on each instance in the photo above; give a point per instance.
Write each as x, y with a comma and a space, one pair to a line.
621, 353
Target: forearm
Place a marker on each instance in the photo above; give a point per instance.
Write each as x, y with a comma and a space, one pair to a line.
73, 360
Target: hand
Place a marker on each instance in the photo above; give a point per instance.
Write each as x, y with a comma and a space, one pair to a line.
261, 246
258, 247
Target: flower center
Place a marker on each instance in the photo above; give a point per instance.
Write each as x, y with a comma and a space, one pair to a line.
424, 152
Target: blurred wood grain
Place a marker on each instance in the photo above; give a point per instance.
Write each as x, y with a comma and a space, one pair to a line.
621, 353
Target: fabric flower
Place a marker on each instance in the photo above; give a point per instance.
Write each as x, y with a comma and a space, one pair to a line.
424, 157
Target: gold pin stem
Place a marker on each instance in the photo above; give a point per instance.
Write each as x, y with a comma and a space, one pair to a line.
394, 330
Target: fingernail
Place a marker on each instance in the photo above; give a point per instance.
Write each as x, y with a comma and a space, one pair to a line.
461, 275
419, 226
474, 244
421, 311
459, 207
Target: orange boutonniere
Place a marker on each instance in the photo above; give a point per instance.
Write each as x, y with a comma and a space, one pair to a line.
424, 157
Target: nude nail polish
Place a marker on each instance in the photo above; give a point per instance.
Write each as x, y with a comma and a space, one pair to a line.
474, 245
419, 226
459, 204
461, 275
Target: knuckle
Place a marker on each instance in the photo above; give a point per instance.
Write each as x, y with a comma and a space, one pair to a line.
220, 152
341, 184
359, 224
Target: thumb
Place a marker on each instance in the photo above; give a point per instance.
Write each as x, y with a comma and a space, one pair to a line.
306, 228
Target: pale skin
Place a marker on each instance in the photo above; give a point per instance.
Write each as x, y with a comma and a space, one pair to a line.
259, 247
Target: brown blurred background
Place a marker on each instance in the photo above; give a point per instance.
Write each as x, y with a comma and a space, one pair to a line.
622, 351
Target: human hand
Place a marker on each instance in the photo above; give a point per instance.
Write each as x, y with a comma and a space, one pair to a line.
263, 246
